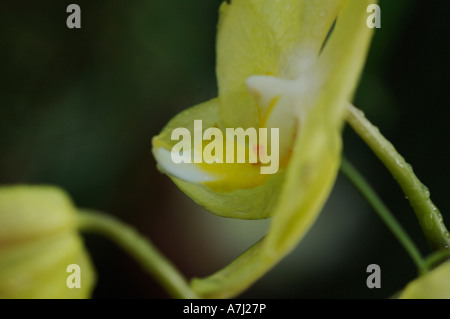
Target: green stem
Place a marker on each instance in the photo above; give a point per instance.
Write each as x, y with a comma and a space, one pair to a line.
430, 219
140, 248
372, 198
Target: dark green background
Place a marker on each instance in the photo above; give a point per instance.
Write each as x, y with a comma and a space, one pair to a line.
78, 109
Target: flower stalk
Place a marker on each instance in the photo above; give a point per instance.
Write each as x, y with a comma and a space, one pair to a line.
383, 212
140, 248
429, 216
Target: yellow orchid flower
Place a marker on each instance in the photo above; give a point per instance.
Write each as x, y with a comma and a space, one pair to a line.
287, 65
38, 241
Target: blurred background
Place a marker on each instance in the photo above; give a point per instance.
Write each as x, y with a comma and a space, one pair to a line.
78, 109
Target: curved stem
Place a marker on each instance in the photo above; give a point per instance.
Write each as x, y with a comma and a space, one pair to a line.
372, 198
139, 247
430, 219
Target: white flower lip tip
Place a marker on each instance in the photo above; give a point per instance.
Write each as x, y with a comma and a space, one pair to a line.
188, 172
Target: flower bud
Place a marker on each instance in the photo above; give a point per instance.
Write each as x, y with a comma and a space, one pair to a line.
41, 254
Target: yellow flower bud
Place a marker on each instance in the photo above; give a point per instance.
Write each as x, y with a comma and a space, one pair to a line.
39, 245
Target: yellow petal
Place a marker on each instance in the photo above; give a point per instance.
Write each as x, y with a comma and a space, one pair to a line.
433, 285
341, 63
265, 37
316, 155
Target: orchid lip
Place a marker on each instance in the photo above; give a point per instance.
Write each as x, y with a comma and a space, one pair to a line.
185, 171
